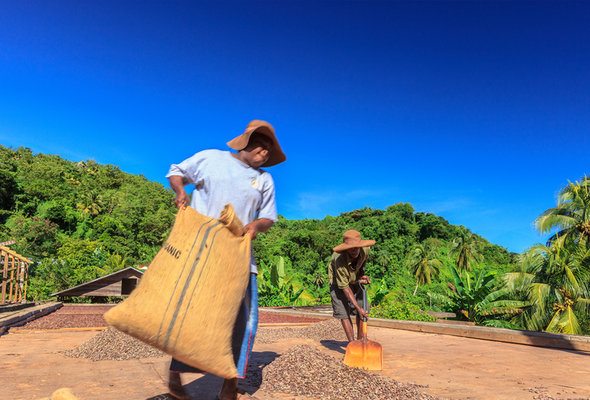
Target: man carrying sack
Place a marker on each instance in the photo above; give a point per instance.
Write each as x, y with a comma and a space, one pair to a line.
220, 178
346, 272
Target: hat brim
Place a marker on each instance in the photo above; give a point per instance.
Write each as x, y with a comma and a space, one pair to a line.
345, 246
276, 153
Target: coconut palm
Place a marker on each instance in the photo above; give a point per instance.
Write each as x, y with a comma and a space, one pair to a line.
561, 294
571, 216
465, 249
423, 264
504, 307
553, 286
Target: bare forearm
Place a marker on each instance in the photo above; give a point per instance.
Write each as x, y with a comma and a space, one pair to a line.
350, 296
260, 225
263, 224
177, 184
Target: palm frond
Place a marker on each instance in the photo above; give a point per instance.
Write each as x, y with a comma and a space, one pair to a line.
569, 323
552, 218
539, 294
582, 306
553, 326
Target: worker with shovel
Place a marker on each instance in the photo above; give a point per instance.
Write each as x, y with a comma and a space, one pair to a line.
222, 177
346, 274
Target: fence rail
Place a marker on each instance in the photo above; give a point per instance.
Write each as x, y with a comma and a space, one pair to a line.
15, 276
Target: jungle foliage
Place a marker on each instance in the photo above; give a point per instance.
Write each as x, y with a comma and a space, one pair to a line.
78, 221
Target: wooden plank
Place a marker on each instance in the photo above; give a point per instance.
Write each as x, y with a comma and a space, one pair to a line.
4, 276
11, 281
26, 279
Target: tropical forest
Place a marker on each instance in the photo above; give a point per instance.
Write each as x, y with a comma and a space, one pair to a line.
78, 221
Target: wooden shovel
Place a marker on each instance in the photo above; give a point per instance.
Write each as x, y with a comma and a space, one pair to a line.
364, 353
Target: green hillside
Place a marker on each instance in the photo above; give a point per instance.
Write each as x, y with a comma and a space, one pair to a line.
79, 221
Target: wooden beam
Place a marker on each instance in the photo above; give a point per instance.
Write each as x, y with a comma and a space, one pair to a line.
15, 254
4, 275
11, 258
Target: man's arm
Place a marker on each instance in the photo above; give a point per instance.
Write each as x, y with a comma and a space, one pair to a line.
350, 296
257, 226
177, 184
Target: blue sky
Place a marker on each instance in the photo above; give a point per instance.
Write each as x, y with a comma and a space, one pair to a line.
476, 111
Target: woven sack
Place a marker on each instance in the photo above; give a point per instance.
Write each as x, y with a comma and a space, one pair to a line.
187, 302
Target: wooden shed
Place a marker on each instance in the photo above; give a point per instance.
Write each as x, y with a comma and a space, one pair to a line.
120, 283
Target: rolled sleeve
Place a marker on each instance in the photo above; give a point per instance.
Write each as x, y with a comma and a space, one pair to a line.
188, 169
342, 277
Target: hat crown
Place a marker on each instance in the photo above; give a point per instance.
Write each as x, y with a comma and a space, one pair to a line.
258, 123
351, 237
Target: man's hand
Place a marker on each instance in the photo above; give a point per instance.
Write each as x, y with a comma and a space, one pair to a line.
364, 280
251, 230
362, 313
181, 200
255, 227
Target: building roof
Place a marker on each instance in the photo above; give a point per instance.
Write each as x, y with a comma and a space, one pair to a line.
121, 274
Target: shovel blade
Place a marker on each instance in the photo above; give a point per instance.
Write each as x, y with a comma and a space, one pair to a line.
364, 354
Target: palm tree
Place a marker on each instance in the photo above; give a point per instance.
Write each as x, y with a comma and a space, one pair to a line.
465, 248
504, 306
571, 216
423, 264
553, 287
90, 203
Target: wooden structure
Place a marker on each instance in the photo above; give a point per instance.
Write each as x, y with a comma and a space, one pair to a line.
15, 276
117, 284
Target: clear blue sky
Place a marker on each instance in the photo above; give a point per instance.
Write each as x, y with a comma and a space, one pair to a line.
476, 111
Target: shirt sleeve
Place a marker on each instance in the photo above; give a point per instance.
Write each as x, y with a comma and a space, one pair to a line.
268, 206
189, 169
341, 274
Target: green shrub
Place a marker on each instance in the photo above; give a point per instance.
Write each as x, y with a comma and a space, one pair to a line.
403, 311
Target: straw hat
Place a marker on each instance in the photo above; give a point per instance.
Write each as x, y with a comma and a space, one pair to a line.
351, 240
276, 153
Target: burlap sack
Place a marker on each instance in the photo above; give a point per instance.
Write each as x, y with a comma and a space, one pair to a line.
187, 301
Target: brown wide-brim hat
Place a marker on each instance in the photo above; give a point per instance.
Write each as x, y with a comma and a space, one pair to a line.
276, 153
352, 239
